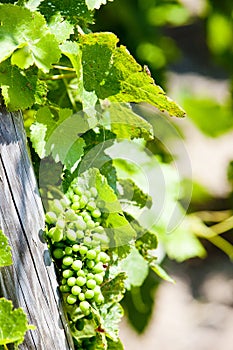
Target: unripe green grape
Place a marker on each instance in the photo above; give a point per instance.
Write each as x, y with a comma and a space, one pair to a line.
87, 194
102, 256
60, 224
100, 204
90, 264
98, 278
58, 253
76, 290
98, 268
91, 254
70, 215
90, 276
67, 273
65, 202
77, 265
50, 217
99, 299
94, 191
91, 205
87, 241
75, 198
81, 296
71, 281
80, 224
71, 299
63, 281
91, 284
68, 251
90, 224
64, 288
81, 273
75, 205
85, 307
83, 250
99, 229
57, 235
56, 206
79, 234
97, 290
89, 294
80, 324
83, 201
67, 261
78, 190
96, 213
71, 235
75, 248
80, 281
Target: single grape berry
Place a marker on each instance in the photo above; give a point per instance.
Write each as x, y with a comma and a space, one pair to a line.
85, 307
50, 217
76, 290
77, 265
89, 294
71, 281
91, 284
58, 253
91, 254
71, 299
80, 281
67, 260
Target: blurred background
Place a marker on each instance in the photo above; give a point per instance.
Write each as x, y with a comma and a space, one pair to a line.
188, 48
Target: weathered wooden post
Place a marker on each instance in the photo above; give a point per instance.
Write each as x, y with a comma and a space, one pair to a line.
31, 282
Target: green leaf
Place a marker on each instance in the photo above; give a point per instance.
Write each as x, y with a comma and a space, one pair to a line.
161, 272
212, 118
112, 72
181, 244
76, 11
61, 28
113, 290
126, 124
5, 251
111, 317
18, 88
139, 301
115, 345
133, 193
59, 136
95, 4
13, 323
136, 269
25, 36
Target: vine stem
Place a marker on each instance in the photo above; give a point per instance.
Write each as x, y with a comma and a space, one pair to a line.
61, 76
63, 68
5, 347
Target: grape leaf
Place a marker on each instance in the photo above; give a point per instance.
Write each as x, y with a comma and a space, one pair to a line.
114, 289
60, 137
126, 124
75, 10
95, 4
5, 251
136, 269
181, 244
115, 345
161, 272
13, 323
18, 88
112, 72
88, 99
25, 36
130, 191
61, 28
111, 316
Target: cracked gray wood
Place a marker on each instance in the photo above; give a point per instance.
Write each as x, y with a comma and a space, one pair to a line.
31, 282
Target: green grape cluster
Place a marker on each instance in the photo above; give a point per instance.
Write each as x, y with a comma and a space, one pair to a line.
78, 243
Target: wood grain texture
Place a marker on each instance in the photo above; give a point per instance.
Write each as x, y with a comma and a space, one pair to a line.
31, 282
